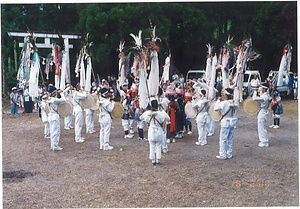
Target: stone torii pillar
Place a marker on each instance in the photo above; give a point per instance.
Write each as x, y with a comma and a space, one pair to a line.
47, 43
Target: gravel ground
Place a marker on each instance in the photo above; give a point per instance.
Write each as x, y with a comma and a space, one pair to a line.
82, 176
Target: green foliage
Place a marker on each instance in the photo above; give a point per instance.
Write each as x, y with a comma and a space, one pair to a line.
184, 28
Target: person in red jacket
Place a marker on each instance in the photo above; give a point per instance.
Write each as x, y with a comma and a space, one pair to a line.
172, 110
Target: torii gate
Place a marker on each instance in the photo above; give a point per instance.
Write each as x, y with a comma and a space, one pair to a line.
47, 43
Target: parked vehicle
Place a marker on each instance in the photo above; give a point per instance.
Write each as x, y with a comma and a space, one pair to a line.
195, 74
248, 76
285, 90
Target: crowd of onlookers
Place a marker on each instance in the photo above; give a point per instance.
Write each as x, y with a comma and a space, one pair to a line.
20, 98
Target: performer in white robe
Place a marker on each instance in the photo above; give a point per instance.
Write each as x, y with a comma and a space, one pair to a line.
105, 107
262, 115
155, 119
228, 123
69, 118
78, 112
54, 120
202, 106
43, 105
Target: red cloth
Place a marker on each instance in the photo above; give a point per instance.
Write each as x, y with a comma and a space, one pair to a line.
172, 114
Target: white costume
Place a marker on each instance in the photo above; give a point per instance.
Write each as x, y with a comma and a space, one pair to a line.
44, 117
78, 112
89, 121
210, 123
105, 107
69, 118
54, 121
156, 133
254, 84
201, 119
228, 124
163, 104
262, 118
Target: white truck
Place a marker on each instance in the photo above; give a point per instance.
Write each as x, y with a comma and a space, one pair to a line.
195, 74
248, 76
285, 90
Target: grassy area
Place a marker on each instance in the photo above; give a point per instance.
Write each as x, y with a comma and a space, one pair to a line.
290, 107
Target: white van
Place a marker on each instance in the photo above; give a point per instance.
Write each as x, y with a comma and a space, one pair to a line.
248, 76
195, 74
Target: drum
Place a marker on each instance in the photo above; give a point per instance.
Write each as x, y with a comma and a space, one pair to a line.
95, 104
250, 106
117, 112
87, 103
190, 111
65, 108
215, 115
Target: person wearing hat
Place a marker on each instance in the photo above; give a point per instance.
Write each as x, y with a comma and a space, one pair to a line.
105, 108
155, 119
225, 105
44, 115
14, 101
78, 94
172, 108
202, 106
262, 115
54, 120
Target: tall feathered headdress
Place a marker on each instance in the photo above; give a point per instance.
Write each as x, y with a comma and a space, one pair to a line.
87, 46
210, 49
154, 38
121, 46
138, 40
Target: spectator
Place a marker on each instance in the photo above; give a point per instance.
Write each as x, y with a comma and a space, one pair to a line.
295, 86
28, 103
254, 84
219, 85
276, 106
14, 101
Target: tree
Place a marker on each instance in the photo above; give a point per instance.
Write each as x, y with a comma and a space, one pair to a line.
275, 26
184, 28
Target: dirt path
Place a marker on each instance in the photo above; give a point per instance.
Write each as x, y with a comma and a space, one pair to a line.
82, 176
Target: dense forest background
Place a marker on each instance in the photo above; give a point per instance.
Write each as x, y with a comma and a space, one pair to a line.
184, 28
